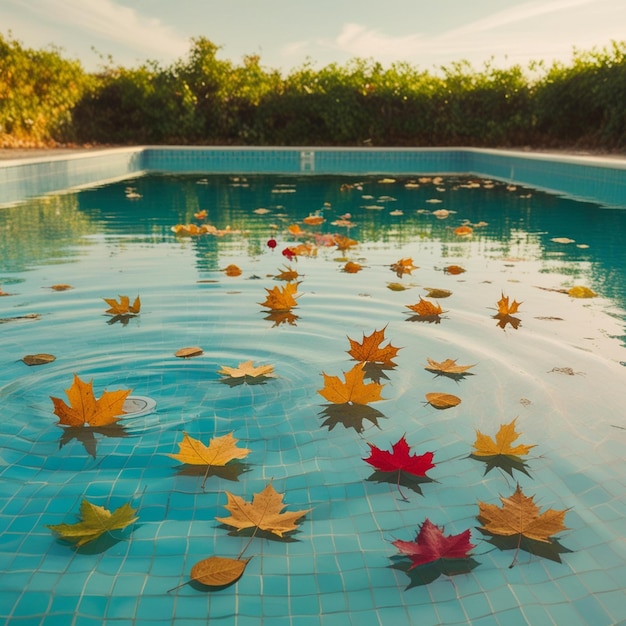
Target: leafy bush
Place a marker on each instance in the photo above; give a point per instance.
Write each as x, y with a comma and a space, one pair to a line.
202, 99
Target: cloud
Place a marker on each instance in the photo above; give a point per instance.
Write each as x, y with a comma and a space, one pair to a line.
106, 20
533, 30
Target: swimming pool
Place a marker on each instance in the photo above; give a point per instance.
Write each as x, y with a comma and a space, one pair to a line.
558, 374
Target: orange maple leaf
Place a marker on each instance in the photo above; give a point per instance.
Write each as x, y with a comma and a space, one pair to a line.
85, 409
264, 512
123, 307
403, 266
370, 349
281, 298
354, 390
352, 268
288, 274
504, 308
425, 308
313, 220
344, 243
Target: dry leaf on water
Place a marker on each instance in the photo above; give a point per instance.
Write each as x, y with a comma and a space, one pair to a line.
453, 269
520, 516
403, 266
448, 366
281, 298
504, 308
95, 522
344, 243
506, 435
61, 287
425, 308
352, 268
232, 270
442, 400
431, 545
245, 369
313, 220
123, 307
353, 390
463, 231
38, 359
187, 353
220, 451
433, 292
370, 349
288, 274
217, 571
84, 409
581, 292
264, 512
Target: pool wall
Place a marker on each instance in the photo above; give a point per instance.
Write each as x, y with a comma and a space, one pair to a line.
595, 179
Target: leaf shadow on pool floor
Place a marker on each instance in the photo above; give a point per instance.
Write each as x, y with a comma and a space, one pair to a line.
506, 462
410, 481
424, 574
350, 416
429, 319
231, 471
87, 435
245, 380
550, 549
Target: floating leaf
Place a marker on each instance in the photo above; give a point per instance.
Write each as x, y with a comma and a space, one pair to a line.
403, 266
562, 240
232, 270
392, 466
520, 516
187, 353
313, 220
425, 308
123, 307
264, 512
463, 231
437, 293
95, 522
431, 545
217, 571
281, 298
370, 349
247, 369
454, 269
504, 308
352, 268
201, 215
288, 274
442, 400
344, 243
353, 390
61, 287
85, 409
38, 359
581, 292
398, 286
447, 367
506, 435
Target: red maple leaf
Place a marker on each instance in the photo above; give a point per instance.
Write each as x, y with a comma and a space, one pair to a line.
400, 460
431, 544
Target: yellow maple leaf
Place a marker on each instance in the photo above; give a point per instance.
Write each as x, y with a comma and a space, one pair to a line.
425, 308
504, 308
370, 349
486, 446
264, 512
520, 515
96, 520
448, 366
85, 409
281, 298
246, 368
353, 390
123, 307
220, 451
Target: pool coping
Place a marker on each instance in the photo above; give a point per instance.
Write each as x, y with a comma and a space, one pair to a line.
592, 178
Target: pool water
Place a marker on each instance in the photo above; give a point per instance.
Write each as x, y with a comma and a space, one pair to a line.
559, 372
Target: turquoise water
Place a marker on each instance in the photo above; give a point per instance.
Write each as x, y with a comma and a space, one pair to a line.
560, 374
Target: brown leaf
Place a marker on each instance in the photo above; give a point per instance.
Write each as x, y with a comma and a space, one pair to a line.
453, 269
352, 268
425, 308
186, 353
448, 366
217, 571
403, 266
288, 274
38, 359
61, 287
437, 293
442, 400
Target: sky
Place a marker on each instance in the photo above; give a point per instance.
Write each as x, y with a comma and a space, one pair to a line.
428, 34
